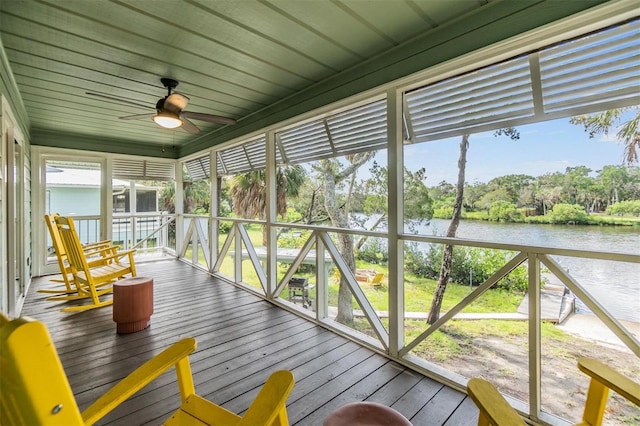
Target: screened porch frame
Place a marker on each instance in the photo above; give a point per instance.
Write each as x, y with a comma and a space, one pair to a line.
397, 133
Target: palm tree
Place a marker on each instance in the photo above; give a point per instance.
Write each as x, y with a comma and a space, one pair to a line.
628, 132
248, 192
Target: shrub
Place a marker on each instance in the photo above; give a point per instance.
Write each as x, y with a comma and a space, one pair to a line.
224, 227
292, 215
625, 208
293, 239
470, 265
443, 213
415, 261
569, 213
373, 251
504, 211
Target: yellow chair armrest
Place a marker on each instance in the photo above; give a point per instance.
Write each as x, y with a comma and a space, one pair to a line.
138, 379
492, 404
119, 255
97, 244
611, 379
270, 402
95, 251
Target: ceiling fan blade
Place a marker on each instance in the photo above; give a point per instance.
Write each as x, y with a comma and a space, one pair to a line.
120, 100
208, 117
136, 117
175, 102
189, 126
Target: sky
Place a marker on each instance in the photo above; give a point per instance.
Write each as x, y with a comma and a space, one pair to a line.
545, 147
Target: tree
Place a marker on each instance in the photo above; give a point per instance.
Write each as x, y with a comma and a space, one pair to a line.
497, 195
473, 193
578, 185
195, 193
333, 173
447, 255
511, 184
248, 192
418, 205
504, 211
628, 132
549, 190
613, 180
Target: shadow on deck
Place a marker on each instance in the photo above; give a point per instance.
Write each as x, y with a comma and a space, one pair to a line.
241, 340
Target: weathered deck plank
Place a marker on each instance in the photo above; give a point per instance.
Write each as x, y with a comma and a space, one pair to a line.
241, 340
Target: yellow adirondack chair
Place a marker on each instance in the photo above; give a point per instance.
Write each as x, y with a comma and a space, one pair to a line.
376, 280
495, 410
93, 249
35, 389
90, 281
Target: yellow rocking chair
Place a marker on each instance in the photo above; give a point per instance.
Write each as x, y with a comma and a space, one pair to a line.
100, 249
495, 410
34, 389
91, 282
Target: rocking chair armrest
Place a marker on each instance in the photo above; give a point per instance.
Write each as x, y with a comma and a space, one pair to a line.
97, 244
119, 254
138, 379
611, 379
95, 251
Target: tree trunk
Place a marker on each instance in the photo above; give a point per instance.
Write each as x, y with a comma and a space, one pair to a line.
339, 219
345, 305
447, 255
352, 182
333, 174
311, 206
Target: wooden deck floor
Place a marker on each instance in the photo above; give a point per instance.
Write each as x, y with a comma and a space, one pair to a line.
241, 340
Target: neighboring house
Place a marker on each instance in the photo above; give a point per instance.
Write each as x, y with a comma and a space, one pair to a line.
76, 192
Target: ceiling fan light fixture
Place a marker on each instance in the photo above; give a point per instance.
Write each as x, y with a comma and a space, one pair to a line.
168, 120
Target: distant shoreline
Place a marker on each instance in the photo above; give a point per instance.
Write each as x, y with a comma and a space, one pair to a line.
598, 219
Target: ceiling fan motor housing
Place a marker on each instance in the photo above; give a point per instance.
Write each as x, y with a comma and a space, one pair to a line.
160, 104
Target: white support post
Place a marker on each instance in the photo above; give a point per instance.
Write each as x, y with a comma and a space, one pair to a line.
395, 162
214, 224
106, 225
322, 283
534, 336
271, 194
132, 213
179, 200
237, 264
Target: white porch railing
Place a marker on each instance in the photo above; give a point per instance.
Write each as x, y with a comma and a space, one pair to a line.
320, 250
148, 233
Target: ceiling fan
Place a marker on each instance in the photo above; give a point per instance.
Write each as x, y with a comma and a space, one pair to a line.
170, 112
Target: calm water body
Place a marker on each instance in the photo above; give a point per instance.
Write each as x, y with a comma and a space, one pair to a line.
615, 285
